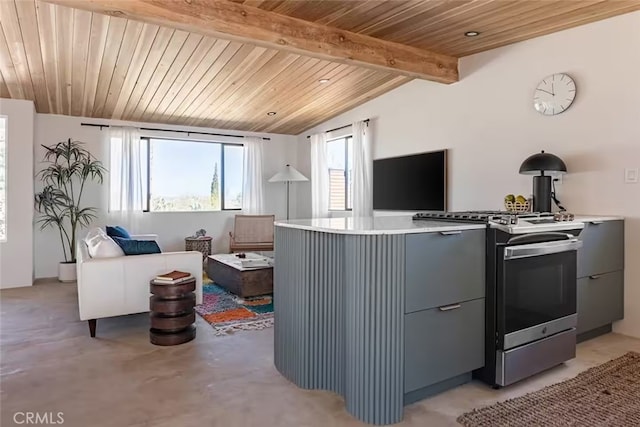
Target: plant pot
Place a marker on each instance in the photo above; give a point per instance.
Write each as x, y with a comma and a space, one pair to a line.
67, 272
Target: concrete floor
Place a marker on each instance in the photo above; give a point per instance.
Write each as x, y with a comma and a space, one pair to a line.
50, 364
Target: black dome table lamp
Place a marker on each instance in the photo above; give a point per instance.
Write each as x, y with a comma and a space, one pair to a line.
540, 163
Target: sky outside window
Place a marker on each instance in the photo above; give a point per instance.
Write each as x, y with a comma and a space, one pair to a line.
187, 175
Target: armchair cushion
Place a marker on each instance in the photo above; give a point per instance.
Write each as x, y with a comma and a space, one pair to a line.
118, 231
137, 247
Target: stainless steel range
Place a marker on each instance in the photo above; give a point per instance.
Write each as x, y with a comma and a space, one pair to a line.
530, 288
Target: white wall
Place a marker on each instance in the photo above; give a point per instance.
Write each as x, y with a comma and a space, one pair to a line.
16, 253
488, 123
172, 228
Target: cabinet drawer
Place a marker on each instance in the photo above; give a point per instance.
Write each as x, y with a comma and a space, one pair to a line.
600, 300
602, 248
444, 268
442, 344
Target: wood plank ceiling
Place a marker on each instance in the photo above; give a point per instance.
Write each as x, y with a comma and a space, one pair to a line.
79, 63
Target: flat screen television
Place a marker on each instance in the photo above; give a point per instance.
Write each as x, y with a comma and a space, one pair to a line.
411, 183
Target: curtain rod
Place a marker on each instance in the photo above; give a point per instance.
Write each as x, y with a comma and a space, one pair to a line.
342, 127
188, 132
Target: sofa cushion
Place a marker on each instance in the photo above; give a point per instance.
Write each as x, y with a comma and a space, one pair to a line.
103, 246
117, 231
137, 247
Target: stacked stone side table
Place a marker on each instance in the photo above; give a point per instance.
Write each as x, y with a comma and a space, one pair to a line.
172, 313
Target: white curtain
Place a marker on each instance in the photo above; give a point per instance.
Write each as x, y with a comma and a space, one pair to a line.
127, 180
253, 189
362, 173
319, 176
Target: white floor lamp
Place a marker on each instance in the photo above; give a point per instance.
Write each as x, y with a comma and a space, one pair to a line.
288, 175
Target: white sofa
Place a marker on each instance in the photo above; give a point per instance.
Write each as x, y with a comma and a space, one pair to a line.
117, 286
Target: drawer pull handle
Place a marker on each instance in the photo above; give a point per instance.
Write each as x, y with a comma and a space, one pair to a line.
449, 307
450, 233
596, 222
595, 276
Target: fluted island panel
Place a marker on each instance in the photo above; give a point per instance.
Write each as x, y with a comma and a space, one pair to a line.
339, 317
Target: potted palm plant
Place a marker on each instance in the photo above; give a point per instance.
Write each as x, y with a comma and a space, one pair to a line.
69, 167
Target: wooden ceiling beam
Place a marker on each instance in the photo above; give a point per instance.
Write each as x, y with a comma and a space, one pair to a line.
247, 24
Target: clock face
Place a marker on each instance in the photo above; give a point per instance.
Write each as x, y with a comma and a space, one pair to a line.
554, 94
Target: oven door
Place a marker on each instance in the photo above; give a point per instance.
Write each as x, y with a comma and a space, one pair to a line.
536, 291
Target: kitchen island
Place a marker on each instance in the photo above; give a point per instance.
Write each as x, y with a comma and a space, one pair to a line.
383, 311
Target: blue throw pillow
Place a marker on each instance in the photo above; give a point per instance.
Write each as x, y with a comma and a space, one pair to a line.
118, 231
137, 247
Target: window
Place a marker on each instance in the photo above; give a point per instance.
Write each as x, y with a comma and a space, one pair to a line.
193, 176
3, 179
340, 161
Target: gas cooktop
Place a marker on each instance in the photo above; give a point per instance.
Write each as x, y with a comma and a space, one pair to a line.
475, 216
513, 223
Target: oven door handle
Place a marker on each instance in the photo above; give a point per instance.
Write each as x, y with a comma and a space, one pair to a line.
538, 249
539, 237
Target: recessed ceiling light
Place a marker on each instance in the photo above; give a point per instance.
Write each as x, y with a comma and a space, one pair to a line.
323, 81
472, 33
271, 113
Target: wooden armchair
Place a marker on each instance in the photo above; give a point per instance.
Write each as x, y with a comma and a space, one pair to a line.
252, 233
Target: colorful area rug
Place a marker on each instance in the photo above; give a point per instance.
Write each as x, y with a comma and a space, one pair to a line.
228, 313
607, 395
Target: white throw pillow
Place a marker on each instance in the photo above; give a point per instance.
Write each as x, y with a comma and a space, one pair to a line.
103, 246
93, 233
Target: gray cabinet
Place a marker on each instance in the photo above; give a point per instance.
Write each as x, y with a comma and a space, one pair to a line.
442, 343
600, 300
600, 277
445, 303
444, 268
602, 248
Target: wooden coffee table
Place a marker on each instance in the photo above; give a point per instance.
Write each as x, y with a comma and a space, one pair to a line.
246, 281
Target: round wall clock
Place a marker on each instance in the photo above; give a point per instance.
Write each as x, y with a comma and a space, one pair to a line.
554, 94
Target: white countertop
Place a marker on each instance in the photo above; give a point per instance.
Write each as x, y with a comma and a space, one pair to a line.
595, 218
402, 224
376, 225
